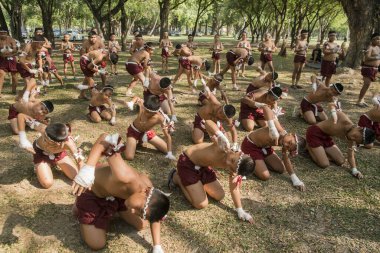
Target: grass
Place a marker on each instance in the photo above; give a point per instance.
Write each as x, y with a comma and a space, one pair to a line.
337, 213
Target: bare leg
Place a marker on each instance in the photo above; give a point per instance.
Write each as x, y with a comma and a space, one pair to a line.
94, 237
309, 117
130, 151
14, 82
2, 77
44, 175
214, 190
197, 135
363, 91
248, 124
134, 220
68, 167
319, 156
275, 163
335, 155
159, 144
261, 170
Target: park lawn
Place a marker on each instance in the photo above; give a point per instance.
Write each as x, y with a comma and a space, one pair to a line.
337, 213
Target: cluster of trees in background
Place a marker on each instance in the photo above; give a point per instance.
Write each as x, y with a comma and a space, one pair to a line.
226, 17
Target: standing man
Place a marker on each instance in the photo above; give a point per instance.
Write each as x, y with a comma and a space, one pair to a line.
330, 52
300, 51
8, 62
267, 47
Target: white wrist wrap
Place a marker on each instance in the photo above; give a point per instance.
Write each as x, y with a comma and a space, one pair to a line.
85, 176
295, 180
24, 142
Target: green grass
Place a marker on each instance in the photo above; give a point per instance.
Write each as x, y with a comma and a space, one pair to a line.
337, 213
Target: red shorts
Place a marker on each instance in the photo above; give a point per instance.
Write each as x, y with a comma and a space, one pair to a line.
41, 156
8, 64
185, 63
201, 96
96, 211
299, 59
83, 66
369, 72
136, 134
251, 88
67, 58
328, 68
307, 106
48, 69
316, 138
147, 93
247, 112
23, 72
189, 174
103, 64
98, 109
215, 55
165, 53
199, 123
231, 58
266, 57
364, 121
133, 68
255, 152
12, 113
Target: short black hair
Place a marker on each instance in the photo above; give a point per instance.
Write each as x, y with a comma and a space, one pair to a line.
112, 34
49, 105
251, 60
139, 35
152, 102
92, 33
338, 87
39, 38
229, 110
276, 92
218, 77
148, 45
369, 136
165, 82
304, 31
331, 32
274, 75
38, 29
57, 132
207, 65
247, 166
189, 35
178, 46
375, 35
159, 206
107, 87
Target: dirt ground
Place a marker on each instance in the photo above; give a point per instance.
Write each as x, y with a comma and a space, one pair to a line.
337, 213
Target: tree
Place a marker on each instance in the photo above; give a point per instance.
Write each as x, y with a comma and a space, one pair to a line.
14, 10
165, 7
202, 6
280, 9
47, 7
363, 17
3, 22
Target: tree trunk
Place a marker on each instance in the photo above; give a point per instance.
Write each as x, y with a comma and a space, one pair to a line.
124, 35
195, 25
47, 19
154, 26
3, 23
361, 15
16, 20
164, 16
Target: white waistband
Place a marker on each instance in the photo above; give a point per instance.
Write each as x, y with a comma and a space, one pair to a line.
134, 128
131, 62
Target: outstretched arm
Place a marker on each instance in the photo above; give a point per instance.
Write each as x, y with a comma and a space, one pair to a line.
236, 198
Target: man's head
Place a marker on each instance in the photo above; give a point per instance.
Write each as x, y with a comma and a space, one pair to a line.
112, 37
216, 37
336, 89
271, 76
43, 108
207, 65
361, 135
267, 36
92, 37
57, 132
375, 38
304, 34
152, 104
66, 37
244, 35
226, 111
332, 36
135, 33
3, 33
190, 37
240, 163
218, 78
293, 143
38, 42
166, 35
38, 31
139, 40
107, 91
250, 60
165, 83
274, 94
149, 47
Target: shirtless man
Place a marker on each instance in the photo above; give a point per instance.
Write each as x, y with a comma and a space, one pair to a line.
311, 110
165, 44
370, 67
215, 111
49, 68
137, 44
115, 188
216, 49
244, 43
137, 64
197, 179
235, 57
191, 44
28, 60
50, 150
264, 80
259, 145
300, 51
331, 50
371, 119
162, 88
97, 108
8, 61
113, 48
67, 49
323, 149
187, 64
89, 64
140, 130
213, 84
267, 48
251, 110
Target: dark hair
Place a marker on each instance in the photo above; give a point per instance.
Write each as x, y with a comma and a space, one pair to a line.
274, 75
301, 143
338, 87
38, 29
178, 46
57, 132
107, 87
92, 33
159, 206
136, 31
39, 38
111, 34
49, 105
165, 82
369, 136
276, 92
152, 102
375, 35
304, 31
229, 110
189, 35
251, 60
148, 45
139, 35
218, 77
247, 166
207, 65
330, 32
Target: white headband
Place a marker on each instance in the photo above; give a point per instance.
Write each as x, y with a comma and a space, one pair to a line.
147, 202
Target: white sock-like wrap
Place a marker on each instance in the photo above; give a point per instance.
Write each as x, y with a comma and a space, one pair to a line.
174, 118
260, 105
376, 100
295, 180
24, 142
235, 147
223, 141
113, 120
82, 87
25, 97
334, 115
273, 132
170, 155
243, 215
314, 87
157, 249
146, 82
85, 176
355, 171
130, 105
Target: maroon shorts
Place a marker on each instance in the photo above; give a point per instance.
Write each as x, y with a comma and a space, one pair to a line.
98, 109
267, 57
67, 58
185, 63
328, 68
165, 53
103, 64
251, 88
364, 121
215, 55
201, 96
299, 59
199, 123
52, 68
96, 211
255, 152
133, 68
147, 93
23, 72
369, 72
189, 174
231, 58
247, 112
83, 66
8, 64
307, 106
134, 133
40, 156
316, 138
12, 112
